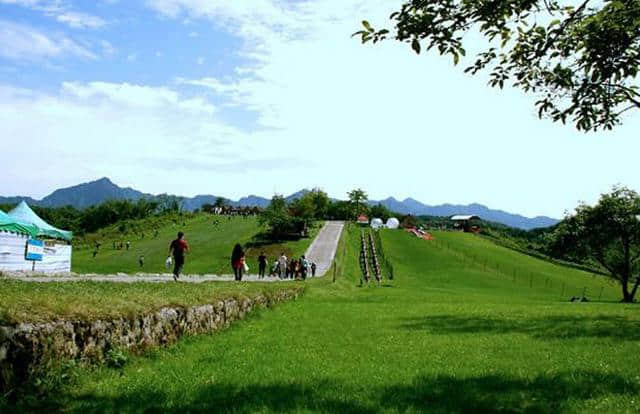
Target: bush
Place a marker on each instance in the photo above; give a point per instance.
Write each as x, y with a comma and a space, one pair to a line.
116, 358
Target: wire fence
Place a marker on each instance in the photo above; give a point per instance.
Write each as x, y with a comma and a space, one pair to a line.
386, 263
364, 262
527, 277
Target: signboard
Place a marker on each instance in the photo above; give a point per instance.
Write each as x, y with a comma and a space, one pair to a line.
35, 250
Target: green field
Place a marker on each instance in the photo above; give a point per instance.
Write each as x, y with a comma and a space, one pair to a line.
43, 302
444, 336
210, 246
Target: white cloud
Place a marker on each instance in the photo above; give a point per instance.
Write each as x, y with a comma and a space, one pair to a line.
80, 20
108, 48
135, 96
135, 134
132, 57
320, 94
22, 42
200, 60
42, 5
61, 11
210, 83
328, 112
193, 34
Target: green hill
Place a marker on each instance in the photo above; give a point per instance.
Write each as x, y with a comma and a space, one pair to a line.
444, 336
210, 245
463, 262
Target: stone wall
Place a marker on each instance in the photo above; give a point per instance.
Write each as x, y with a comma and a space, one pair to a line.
25, 346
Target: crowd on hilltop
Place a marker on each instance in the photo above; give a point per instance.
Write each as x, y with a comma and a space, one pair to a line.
288, 268
231, 211
281, 267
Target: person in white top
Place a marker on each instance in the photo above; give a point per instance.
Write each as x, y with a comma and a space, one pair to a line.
282, 260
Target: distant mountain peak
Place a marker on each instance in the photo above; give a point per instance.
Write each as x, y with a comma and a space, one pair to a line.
103, 189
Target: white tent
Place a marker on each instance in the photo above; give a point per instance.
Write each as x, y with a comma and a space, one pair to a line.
12, 247
377, 223
20, 226
393, 223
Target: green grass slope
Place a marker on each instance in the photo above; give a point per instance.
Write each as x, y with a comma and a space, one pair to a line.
530, 275
210, 246
442, 337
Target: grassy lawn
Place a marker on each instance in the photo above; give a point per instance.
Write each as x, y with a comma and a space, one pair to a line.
210, 247
41, 302
444, 336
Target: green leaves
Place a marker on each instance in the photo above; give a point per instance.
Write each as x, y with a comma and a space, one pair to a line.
415, 45
585, 59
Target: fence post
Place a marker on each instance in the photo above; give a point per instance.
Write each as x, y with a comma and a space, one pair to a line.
335, 269
600, 296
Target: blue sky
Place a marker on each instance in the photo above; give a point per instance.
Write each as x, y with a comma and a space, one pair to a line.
262, 96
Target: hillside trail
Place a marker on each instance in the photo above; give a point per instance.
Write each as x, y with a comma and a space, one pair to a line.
321, 251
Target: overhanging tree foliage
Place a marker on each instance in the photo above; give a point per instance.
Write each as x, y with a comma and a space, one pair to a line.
608, 234
580, 58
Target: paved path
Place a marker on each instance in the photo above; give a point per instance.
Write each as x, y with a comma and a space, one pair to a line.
140, 277
322, 251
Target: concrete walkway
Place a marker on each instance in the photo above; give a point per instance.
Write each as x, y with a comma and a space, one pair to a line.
322, 251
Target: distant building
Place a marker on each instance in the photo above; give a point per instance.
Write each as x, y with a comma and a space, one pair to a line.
362, 219
468, 224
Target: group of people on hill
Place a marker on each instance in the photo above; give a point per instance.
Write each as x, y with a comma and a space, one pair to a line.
282, 267
292, 268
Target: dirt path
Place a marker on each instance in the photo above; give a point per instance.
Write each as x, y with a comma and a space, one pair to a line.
321, 251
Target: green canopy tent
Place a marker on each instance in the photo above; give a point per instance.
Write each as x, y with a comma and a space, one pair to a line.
24, 214
11, 225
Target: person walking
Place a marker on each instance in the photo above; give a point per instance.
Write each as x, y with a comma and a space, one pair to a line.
178, 248
262, 265
313, 269
304, 267
282, 262
237, 262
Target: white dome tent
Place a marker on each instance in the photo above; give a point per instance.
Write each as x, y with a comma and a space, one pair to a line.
393, 223
377, 223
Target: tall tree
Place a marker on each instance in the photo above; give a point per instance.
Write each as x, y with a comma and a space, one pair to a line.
608, 234
580, 58
321, 203
380, 212
357, 198
221, 202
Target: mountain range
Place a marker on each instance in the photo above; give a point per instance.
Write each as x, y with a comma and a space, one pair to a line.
96, 192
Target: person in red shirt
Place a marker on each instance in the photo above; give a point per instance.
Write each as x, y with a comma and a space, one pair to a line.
237, 262
178, 248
